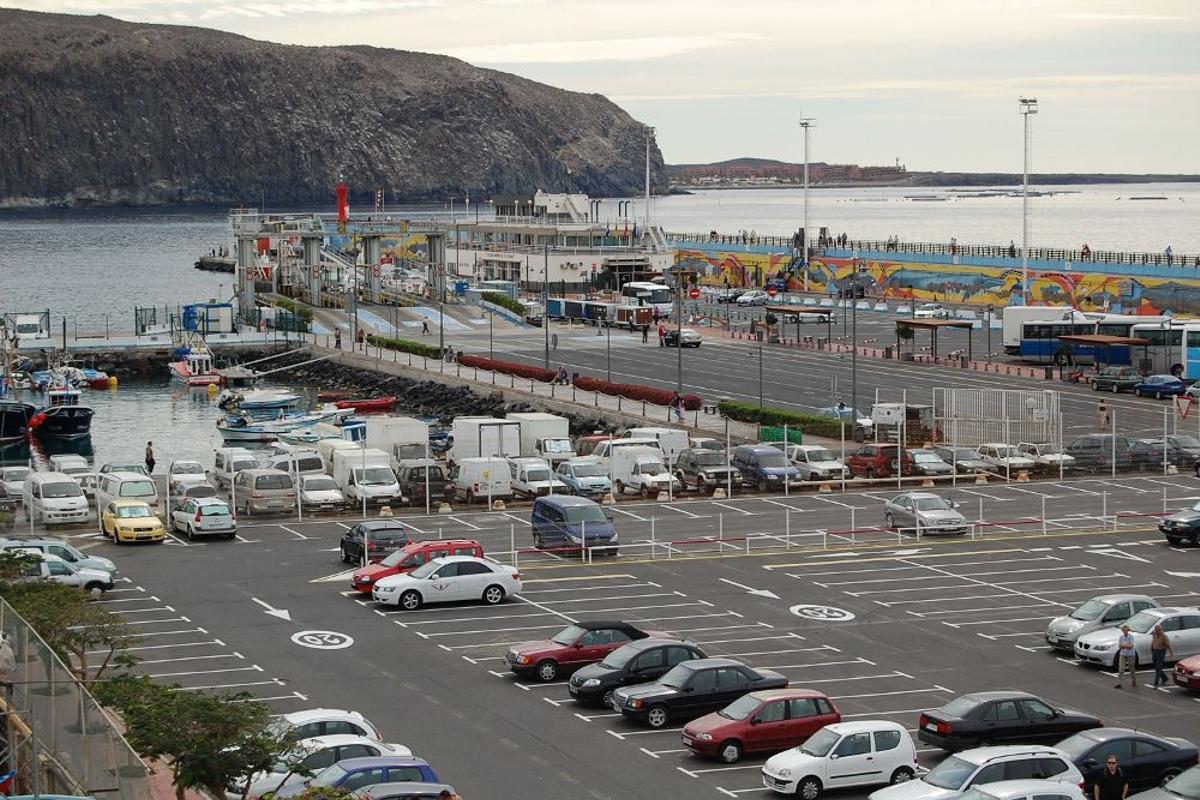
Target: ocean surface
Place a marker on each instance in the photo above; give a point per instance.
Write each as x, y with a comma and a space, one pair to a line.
93, 266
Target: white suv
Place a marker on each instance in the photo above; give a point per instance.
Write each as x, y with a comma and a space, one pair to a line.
841, 755
323, 722
961, 771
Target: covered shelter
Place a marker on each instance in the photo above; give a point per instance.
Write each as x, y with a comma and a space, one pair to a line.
935, 325
1101, 342
801, 313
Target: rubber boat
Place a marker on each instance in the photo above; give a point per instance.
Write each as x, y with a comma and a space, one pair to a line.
373, 404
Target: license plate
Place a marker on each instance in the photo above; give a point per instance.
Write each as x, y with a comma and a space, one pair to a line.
573, 690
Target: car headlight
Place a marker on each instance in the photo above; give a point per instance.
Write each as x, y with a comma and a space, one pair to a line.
523, 659
1102, 647
614, 537
384, 589
784, 773
635, 703
704, 737
591, 683
772, 477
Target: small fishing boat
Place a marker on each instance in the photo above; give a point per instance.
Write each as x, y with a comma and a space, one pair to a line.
194, 367
95, 378
65, 416
373, 404
244, 428
14, 420
257, 403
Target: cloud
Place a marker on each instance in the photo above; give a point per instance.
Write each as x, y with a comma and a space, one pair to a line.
571, 52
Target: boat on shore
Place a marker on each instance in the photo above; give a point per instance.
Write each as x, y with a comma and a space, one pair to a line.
215, 264
373, 404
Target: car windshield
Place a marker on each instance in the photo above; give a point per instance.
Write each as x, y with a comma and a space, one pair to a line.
395, 557
558, 446
187, 468
677, 678
1186, 785
950, 774
1187, 441
739, 709
588, 471
568, 635
137, 489
426, 569
1006, 451
924, 457
1048, 449
1090, 610
16, 474
377, 476
1077, 745
319, 484
618, 658
238, 466
708, 458
651, 468
537, 474
817, 456
134, 512
820, 743
1143, 622
932, 504
961, 454
586, 514
330, 776
771, 460
56, 490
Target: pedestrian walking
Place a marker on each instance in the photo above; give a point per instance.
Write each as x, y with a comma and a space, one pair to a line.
150, 457
645, 334
1103, 416
662, 334
362, 338
1126, 658
425, 327
1160, 647
679, 409
1111, 785
337, 340
1170, 254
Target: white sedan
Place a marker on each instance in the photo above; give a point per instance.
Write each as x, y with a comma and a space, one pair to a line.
449, 579
931, 311
754, 297
309, 757
320, 491
1005, 456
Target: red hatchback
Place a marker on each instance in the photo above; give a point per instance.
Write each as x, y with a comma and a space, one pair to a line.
573, 647
1187, 673
409, 557
770, 721
878, 461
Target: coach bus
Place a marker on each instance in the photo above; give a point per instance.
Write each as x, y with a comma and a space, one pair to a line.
645, 293
1040, 338
1173, 349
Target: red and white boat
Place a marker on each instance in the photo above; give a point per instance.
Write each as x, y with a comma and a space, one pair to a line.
195, 368
373, 404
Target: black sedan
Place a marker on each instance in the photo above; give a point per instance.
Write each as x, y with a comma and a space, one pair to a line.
383, 536
1182, 526
986, 718
693, 689
1145, 759
964, 459
637, 662
1184, 787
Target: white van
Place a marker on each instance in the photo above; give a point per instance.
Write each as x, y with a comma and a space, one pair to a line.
487, 478
532, 477
126, 486
672, 441
299, 462
229, 461
607, 447
54, 498
69, 464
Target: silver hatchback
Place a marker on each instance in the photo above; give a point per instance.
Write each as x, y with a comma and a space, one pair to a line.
1104, 611
924, 512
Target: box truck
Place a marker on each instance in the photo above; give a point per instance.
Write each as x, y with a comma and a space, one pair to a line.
544, 436
402, 438
481, 437
365, 473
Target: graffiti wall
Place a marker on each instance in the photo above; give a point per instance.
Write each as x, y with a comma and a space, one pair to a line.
955, 283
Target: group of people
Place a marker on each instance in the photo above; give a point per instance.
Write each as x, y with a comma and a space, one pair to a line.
1160, 648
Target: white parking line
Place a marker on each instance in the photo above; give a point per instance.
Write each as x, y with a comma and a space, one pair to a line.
628, 514
295, 533
251, 668
683, 511
462, 521
192, 658
733, 508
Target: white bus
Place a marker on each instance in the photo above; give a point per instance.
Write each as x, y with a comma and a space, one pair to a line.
645, 293
1174, 348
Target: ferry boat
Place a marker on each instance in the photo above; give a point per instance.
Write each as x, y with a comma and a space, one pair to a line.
64, 416
194, 367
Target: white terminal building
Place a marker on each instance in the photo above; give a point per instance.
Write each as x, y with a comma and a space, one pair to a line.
555, 238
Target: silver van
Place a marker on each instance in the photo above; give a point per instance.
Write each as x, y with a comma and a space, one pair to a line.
127, 486
256, 491
229, 461
54, 498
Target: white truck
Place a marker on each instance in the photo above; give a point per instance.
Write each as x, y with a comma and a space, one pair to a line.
533, 477
365, 473
545, 436
401, 438
672, 441
483, 437
641, 469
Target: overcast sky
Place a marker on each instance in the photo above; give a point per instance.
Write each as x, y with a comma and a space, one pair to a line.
933, 83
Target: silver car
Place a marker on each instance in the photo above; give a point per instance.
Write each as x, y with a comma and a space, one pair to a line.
1182, 626
67, 552
924, 511
320, 491
1105, 611
815, 462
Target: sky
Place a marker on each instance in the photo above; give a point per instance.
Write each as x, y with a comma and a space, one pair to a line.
933, 84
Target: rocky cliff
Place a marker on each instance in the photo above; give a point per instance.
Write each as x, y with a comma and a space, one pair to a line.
100, 111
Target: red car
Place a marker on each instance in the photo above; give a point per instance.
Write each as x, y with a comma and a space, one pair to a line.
1187, 673
769, 721
573, 647
409, 557
877, 461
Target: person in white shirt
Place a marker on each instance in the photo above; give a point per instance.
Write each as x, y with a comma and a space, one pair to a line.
1126, 658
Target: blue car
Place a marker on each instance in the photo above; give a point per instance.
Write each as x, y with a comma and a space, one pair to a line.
562, 520
1160, 386
354, 773
584, 477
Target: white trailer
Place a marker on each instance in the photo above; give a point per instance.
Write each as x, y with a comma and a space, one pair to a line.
544, 436
402, 438
365, 473
482, 437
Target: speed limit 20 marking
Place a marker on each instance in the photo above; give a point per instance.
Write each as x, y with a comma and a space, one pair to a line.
323, 640
822, 613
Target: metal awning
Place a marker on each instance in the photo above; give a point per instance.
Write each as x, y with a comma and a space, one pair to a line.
937, 324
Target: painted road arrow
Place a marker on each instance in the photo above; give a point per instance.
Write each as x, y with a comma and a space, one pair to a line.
274, 612
1183, 574
749, 590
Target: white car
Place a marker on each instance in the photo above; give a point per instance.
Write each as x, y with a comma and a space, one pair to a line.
931, 311
841, 755
181, 473
314, 722
532, 477
1005, 457
1182, 626
204, 516
13, 479
309, 757
754, 297
814, 461
53, 568
1047, 457
1024, 790
320, 491
961, 772
448, 580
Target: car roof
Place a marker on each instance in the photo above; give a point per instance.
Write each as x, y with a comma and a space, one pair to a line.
604, 624
982, 755
920, 495
712, 663
54, 477
757, 448
185, 461
380, 524
651, 641
865, 726
208, 501
455, 559
317, 714
1020, 788
1001, 694
566, 501
264, 471
1109, 734
128, 502
336, 740
789, 693
128, 476
1169, 610
426, 543
1120, 598
366, 762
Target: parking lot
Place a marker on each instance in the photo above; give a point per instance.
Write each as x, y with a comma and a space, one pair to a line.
900, 624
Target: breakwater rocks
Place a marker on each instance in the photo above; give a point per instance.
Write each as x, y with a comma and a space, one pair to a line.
424, 398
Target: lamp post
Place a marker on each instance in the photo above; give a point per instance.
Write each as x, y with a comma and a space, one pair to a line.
546, 304
806, 123
679, 336
649, 137
1029, 107
854, 342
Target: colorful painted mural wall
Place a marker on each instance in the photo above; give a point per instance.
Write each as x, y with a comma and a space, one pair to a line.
405, 247
973, 284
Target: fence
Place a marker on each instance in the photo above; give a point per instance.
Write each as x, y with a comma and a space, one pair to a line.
971, 417
59, 738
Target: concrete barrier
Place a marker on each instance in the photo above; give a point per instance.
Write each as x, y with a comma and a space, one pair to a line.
825, 488
607, 500
719, 494
1023, 476
497, 505
385, 511
927, 483
981, 479
444, 508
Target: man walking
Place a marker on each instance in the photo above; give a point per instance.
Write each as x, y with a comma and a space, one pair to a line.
1160, 646
1111, 785
150, 457
1103, 418
1126, 658
425, 327
662, 334
645, 333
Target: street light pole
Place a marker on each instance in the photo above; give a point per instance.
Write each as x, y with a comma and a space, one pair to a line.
854, 342
546, 304
679, 338
806, 123
649, 135
1029, 107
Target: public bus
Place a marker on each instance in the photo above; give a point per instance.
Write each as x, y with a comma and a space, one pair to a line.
1040, 338
1174, 348
646, 293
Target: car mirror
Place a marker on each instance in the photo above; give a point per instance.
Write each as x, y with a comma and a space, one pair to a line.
578, 645
1091, 762
834, 755
756, 720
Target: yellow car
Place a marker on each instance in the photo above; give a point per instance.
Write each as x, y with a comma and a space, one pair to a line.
131, 521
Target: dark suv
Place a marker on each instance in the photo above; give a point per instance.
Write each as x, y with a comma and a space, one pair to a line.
1116, 379
764, 467
705, 470
1097, 451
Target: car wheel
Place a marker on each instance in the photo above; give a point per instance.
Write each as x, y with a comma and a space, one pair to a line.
1167, 775
902, 775
410, 600
1158, 395
809, 788
546, 671
870, 473
658, 716
619, 488
345, 555
1174, 541
1196, 540
1095, 386
645, 492
729, 752
493, 594
606, 698
191, 532
889, 520
94, 590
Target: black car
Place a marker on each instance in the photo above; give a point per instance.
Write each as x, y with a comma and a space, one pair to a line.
693, 689
1150, 454
637, 662
1184, 787
1096, 452
705, 470
1145, 759
1182, 526
1116, 379
383, 536
986, 718
963, 459
1187, 448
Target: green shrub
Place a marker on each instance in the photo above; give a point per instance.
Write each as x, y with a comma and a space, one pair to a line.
299, 309
808, 423
404, 346
504, 301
